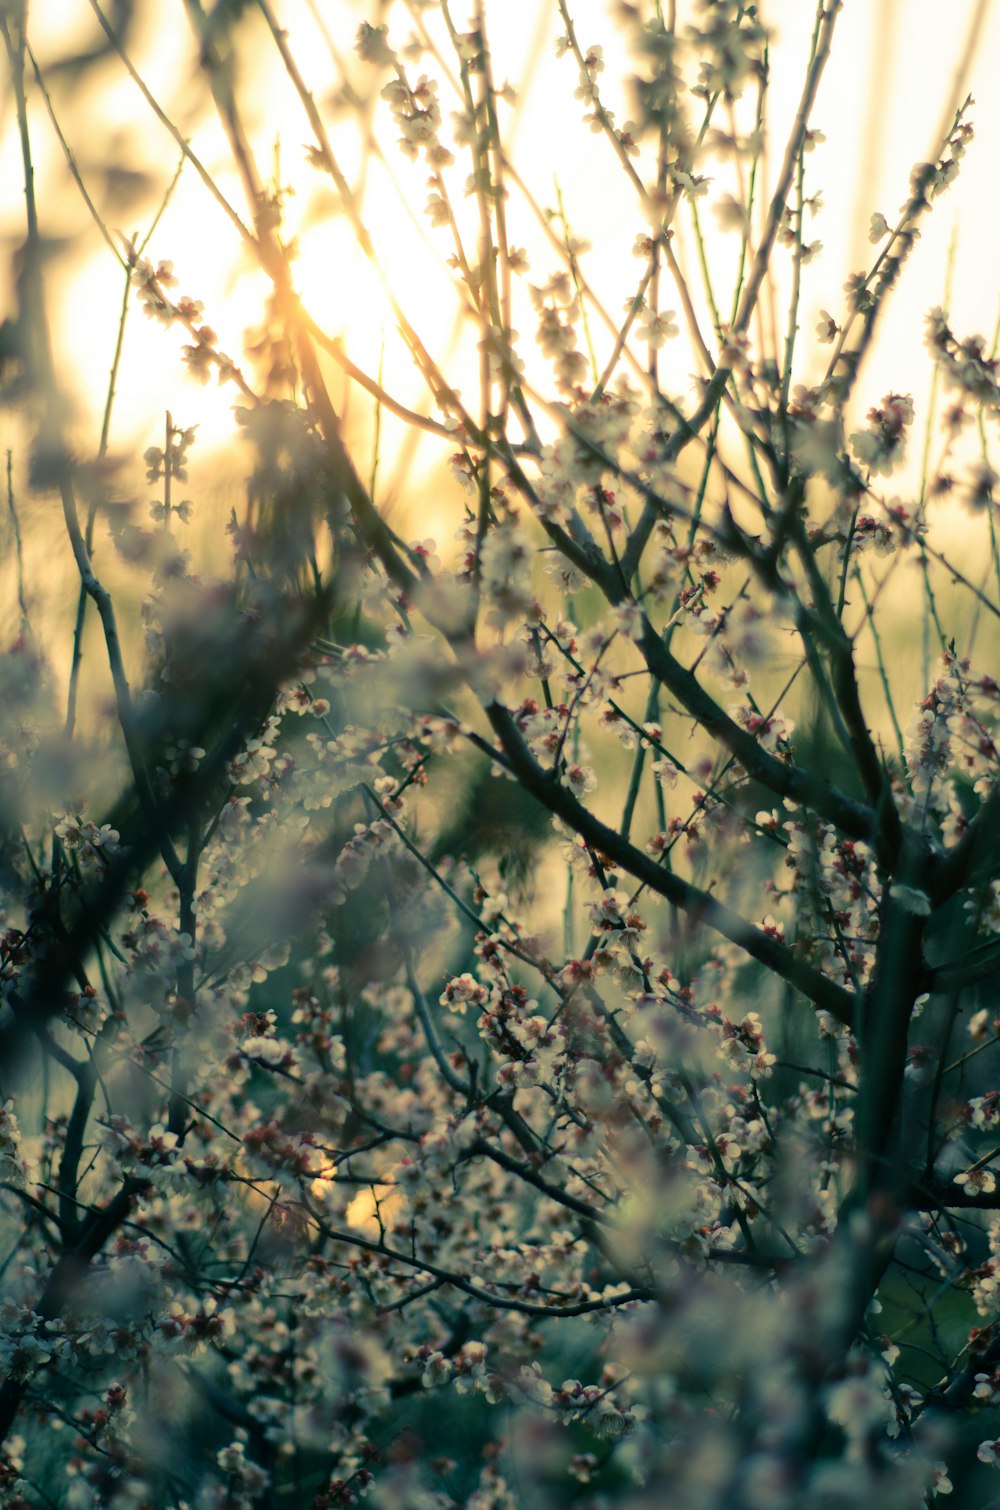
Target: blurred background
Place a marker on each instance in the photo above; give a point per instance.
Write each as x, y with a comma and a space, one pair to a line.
897, 72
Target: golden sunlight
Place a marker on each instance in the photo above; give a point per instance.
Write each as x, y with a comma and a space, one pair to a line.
371, 1211
349, 298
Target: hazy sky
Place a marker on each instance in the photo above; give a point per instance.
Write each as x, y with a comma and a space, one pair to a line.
880, 107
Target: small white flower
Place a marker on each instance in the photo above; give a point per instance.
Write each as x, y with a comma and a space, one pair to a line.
912, 900
979, 1023
580, 779
977, 1181
657, 329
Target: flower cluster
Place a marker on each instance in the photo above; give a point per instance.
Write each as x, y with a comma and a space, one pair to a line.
525, 966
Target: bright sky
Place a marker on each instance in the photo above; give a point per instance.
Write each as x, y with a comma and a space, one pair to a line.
881, 102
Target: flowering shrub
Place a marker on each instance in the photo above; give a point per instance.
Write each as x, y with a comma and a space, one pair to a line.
469, 967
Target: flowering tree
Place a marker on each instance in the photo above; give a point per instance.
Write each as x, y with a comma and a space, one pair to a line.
462, 1042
